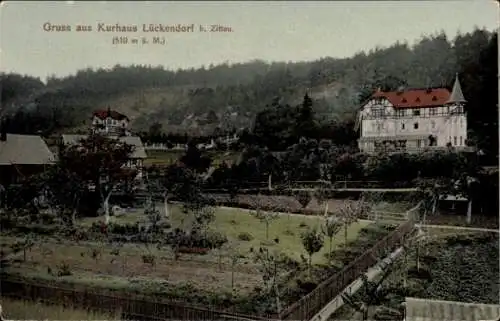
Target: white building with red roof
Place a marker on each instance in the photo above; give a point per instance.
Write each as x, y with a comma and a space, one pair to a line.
110, 122
413, 120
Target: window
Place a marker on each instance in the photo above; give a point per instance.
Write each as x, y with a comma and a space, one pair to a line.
419, 143
402, 113
108, 121
449, 139
455, 140
461, 142
448, 109
432, 111
402, 125
416, 112
378, 112
461, 123
433, 124
415, 126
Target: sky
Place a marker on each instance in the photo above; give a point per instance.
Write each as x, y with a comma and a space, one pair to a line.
271, 31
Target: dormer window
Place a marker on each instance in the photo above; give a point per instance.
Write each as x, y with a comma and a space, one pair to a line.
417, 100
404, 100
434, 98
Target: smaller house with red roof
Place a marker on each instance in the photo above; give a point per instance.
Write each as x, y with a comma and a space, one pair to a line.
110, 122
413, 120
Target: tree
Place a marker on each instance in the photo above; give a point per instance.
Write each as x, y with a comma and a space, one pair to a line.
305, 125
330, 228
262, 215
374, 293
100, 161
172, 182
270, 266
194, 160
430, 190
303, 197
350, 212
64, 189
312, 242
321, 196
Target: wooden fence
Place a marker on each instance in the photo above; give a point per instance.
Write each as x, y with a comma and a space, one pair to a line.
131, 307
312, 303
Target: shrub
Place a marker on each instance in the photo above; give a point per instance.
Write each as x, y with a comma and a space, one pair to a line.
149, 259
193, 250
37, 229
63, 270
209, 240
245, 236
307, 285
124, 229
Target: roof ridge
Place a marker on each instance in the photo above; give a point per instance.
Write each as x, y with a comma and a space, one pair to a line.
416, 89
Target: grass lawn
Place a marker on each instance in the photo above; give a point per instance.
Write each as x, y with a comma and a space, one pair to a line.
233, 222
156, 157
26, 310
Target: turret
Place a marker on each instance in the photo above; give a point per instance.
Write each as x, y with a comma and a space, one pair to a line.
456, 97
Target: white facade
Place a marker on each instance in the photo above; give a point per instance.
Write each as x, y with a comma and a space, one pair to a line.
384, 125
109, 125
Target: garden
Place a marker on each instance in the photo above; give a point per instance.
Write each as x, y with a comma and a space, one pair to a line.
223, 264
447, 265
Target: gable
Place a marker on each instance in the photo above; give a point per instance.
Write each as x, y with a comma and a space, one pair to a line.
377, 106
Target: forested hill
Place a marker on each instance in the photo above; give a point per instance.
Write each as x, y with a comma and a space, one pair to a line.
232, 94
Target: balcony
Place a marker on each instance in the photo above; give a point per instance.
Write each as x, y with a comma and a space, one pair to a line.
468, 149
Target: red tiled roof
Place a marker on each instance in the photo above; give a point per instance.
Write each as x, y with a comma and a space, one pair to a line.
415, 98
103, 114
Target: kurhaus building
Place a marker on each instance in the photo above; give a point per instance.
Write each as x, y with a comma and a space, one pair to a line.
413, 120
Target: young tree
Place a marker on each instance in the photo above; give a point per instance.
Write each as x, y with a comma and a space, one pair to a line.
271, 266
330, 228
312, 242
374, 293
303, 197
100, 161
263, 215
350, 212
429, 191
322, 198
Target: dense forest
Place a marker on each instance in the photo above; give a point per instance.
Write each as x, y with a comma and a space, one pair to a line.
235, 94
